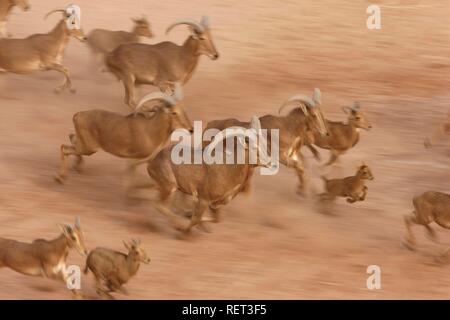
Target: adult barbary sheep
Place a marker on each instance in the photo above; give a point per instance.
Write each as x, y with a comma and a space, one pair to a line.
430, 206
138, 136
113, 269
343, 136
162, 64
103, 41
212, 185
295, 129
352, 188
41, 52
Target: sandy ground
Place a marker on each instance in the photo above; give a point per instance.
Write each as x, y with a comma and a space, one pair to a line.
272, 243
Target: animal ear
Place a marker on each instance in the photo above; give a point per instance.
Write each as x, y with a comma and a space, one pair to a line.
127, 246
66, 229
346, 110
356, 106
62, 228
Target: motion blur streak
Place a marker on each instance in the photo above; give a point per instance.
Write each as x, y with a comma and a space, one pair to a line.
271, 243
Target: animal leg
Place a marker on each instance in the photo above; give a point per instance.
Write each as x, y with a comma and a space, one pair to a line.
79, 162
364, 194
352, 199
115, 286
77, 150
410, 241
333, 157
431, 233
128, 83
102, 290
67, 82
66, 150
60, 276
301, 179
199, 210
133, 184
326, 197
314, 151
215, 211
166, 199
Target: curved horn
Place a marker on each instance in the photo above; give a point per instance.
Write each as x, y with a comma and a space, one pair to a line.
178, 91
224, 134
304, 100
355, 106
198, 27
77, 223
317, 96
205, 21
155, 96
53, 11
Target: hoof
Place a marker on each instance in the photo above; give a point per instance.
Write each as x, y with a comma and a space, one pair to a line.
73, 90
408, 245
204, 228
59, 178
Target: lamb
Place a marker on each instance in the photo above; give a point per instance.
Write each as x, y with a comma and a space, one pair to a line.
103, 41
352, 188
113, 269
343, 136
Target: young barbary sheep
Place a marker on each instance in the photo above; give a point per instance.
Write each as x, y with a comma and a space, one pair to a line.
113, 269
431, 206
352, 187
103, 41
343, 136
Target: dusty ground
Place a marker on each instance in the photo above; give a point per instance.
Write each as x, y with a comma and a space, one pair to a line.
271, 244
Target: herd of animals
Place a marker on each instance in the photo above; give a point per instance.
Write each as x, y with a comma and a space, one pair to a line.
143, 136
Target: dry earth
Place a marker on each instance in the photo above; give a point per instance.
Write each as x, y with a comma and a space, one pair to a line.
272, 243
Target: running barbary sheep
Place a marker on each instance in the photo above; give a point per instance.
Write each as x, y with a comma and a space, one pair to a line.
352, 188
112, 269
